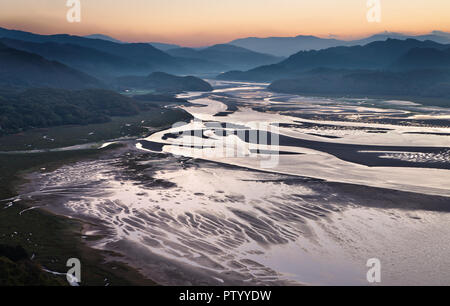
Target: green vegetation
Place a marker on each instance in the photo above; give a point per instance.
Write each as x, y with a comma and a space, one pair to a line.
70, 135
12, 165
41, 108
18, 270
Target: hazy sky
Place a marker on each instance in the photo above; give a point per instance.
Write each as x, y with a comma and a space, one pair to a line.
203, 22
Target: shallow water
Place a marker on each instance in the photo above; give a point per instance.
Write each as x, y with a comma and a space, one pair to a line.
347, 150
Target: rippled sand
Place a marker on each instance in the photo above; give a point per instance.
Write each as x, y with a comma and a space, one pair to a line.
186, 222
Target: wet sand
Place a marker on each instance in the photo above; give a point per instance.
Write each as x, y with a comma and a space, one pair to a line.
191, 222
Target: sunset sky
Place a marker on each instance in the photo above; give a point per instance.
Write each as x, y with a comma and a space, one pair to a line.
205, 22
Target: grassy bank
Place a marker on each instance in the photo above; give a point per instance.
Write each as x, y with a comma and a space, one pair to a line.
70, 135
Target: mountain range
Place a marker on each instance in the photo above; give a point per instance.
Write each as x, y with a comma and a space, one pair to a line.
418, 66
286, 46
21, 69
103, 56
409, 69
391, 54
118, 59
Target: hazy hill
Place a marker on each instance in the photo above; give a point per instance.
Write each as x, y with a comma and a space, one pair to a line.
184, 52
103, 37
163, 46
226, 56
141, 54
431, 83
90, 60
285, 46
24, 69
420, 58
160, 46
163, 83
376, 55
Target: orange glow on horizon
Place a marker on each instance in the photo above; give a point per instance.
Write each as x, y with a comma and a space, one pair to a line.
206, 22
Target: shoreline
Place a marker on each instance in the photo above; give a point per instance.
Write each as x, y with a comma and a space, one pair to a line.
437, 102
94, 233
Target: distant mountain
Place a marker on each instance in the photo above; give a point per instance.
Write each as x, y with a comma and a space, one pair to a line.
163, 83
227, 56
441, 34
163, 46
24, 69
436, 36
376, 55
106, 58
286, 46
104, 37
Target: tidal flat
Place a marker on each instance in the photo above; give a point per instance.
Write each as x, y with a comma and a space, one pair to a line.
352, 184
